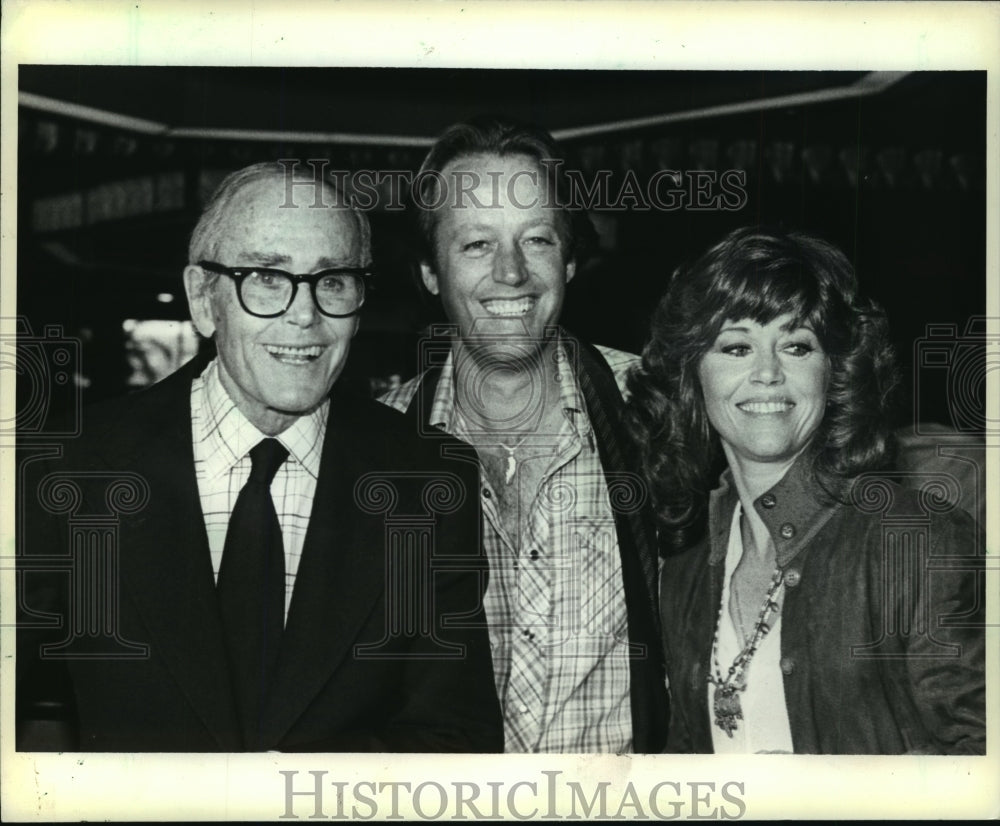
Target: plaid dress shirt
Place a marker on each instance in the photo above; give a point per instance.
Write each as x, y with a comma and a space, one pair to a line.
556, 596
223, 438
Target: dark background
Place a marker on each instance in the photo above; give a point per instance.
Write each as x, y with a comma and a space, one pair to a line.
895, 178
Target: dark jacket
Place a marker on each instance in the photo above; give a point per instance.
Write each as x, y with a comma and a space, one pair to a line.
882, 628
356, 671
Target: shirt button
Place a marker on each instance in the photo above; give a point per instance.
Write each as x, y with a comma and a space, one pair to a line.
793, 577
787, 530
523, 709
533, 554
768, 500
486, 493
787, 665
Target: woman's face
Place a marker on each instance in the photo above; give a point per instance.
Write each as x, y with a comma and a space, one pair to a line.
764, 389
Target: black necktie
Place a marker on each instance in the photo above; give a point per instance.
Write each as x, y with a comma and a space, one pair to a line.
251, 588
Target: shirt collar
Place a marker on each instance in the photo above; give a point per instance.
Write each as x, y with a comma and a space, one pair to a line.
793, 511
231, 436
444, 415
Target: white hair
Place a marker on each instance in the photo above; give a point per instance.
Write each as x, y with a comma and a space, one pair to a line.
206, 235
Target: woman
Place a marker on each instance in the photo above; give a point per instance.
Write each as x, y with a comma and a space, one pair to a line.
804, 603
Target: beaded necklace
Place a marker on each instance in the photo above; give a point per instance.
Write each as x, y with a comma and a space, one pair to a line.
726, 700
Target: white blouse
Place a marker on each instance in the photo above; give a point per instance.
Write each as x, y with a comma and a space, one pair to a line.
765, 726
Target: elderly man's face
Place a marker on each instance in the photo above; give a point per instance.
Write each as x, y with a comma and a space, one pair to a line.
277, 369
501, 251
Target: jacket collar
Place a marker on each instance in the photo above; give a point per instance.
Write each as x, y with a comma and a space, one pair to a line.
793, 511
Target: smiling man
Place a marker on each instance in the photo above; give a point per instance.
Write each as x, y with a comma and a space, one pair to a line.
571, 602
254, 596
282, 343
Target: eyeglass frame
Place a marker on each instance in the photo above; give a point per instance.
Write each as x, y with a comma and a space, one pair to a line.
238, 274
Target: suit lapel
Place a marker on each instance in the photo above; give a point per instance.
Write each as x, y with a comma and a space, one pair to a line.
167, 570
341, 573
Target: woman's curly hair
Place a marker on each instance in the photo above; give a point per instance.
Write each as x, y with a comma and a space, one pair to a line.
759, 275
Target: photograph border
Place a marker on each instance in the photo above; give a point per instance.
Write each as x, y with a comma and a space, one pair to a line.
541, 34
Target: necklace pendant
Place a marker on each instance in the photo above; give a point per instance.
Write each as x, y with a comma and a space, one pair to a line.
727, 708
511, 469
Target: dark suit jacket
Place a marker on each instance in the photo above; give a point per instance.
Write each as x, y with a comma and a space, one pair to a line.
376, 656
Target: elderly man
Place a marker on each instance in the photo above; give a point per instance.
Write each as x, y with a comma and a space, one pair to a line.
257, 597
571, 602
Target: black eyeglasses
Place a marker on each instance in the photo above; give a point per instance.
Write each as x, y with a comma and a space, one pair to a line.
267, 293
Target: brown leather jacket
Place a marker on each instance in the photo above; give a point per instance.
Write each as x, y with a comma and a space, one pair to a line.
882, 633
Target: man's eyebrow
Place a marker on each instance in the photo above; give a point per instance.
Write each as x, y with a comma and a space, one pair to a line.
477, 227
265, 259
543, 221
326, 263
280, 260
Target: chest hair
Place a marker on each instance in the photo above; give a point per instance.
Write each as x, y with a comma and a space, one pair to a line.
514, 500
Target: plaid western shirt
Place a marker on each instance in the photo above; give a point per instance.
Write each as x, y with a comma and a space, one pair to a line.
223, 438
555, 593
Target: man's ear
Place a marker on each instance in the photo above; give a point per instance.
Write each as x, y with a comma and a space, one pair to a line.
429, 278
570, 270
199, 296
